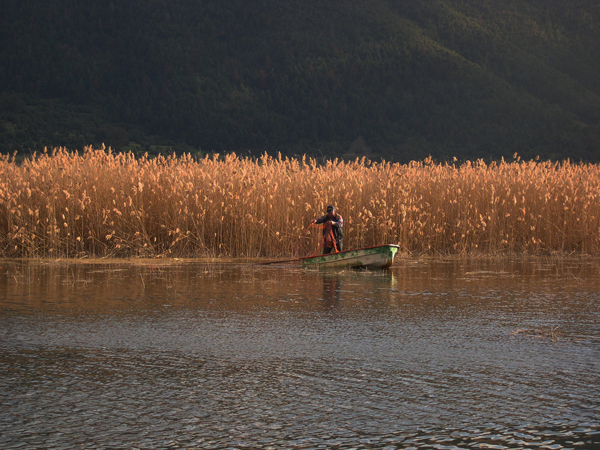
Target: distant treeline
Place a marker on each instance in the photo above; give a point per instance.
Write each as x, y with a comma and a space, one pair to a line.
400, 80
99, 203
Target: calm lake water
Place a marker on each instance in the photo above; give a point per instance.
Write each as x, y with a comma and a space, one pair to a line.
442, 354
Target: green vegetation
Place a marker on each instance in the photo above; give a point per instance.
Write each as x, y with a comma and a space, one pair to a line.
398, 80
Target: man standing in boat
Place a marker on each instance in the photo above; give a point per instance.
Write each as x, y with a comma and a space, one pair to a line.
333, 234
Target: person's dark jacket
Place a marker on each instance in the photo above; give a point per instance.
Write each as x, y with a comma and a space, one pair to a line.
337, 222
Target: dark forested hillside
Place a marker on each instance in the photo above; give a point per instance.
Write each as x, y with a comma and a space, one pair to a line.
384, 78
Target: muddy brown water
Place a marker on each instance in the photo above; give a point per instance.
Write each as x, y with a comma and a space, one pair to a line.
430, 354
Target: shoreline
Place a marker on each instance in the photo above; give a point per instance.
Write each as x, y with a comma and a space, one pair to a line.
174, 261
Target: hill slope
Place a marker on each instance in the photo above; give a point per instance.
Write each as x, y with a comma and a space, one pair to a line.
401, 80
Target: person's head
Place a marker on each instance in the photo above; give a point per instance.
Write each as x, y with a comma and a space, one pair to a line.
331, 210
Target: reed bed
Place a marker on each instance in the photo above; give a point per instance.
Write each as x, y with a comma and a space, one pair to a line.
97, 203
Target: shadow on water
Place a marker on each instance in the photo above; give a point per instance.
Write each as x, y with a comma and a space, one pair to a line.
340, 283
443, 354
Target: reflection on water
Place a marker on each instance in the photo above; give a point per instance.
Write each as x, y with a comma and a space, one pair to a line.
445, 354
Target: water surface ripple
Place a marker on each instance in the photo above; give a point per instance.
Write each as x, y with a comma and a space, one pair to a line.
463, 354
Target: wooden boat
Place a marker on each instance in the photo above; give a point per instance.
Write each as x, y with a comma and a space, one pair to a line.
379, 257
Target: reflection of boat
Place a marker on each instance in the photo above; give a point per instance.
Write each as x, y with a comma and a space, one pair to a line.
379, 257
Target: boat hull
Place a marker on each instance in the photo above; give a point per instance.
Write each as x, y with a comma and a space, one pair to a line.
379, 257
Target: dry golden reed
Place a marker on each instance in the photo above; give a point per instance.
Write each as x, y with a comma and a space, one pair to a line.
99, 203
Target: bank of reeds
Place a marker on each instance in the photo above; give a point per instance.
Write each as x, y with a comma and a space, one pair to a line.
98, 203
